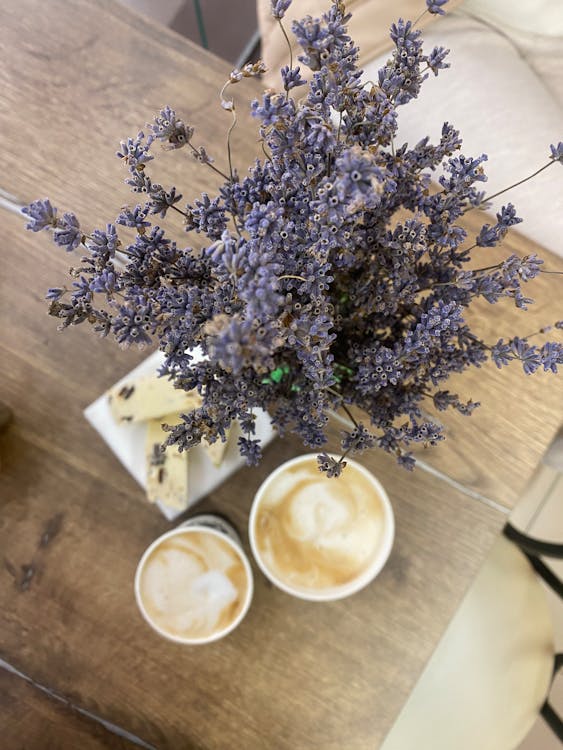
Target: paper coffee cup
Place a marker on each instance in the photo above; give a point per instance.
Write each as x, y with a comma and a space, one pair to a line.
194, 584
317, 538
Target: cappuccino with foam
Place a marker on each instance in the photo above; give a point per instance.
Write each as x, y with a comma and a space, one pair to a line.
320, 538
194, 584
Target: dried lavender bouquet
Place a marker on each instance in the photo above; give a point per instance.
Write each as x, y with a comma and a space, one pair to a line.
310, 294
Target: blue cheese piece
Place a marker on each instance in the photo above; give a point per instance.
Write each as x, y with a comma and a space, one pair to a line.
167, 471
150, 397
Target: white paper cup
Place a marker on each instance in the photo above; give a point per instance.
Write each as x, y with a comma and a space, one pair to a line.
215, 526
335, 592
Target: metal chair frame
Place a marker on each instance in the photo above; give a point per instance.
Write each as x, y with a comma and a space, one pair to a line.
534, 549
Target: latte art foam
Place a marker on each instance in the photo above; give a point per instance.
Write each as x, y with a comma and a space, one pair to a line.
315, 533
193, 585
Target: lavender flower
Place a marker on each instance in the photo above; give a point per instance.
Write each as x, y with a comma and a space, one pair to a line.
529, 267
551, 355
291, 77
135, 152
401, 78
54, 294
169, 128
136, 217
279, 7
357, 185
161, 200
489, 235
435, 59
358, 439
436, 6
250, 450
131, 322
557, 152
527, 354
330, 466
41, 214
67, 232
406, 460
104, 283
302, 287
103, 244
274, 107
81, 291
209, 216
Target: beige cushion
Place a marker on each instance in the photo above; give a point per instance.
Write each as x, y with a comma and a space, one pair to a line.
542, 17
490, 674
369, 27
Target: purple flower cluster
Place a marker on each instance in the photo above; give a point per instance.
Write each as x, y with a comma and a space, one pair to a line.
532, 357
309, 294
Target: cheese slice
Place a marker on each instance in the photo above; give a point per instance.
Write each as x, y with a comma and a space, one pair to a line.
216, 450
167, 471
150, 397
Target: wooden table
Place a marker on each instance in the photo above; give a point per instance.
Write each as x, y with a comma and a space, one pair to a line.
73, 524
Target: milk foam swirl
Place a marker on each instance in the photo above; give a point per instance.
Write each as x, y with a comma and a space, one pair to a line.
316, 533
193, 585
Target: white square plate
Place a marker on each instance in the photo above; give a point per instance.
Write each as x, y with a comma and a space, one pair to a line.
127, 441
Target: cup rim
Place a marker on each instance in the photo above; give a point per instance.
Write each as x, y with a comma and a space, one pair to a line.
334, 593
219, 634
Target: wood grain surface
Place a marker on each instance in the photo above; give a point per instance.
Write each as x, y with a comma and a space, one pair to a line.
81, 78
63, 112
67, 100
496, 449
73, 524
32, 720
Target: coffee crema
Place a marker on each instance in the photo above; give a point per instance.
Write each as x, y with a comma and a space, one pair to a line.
315, 533
193, 585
